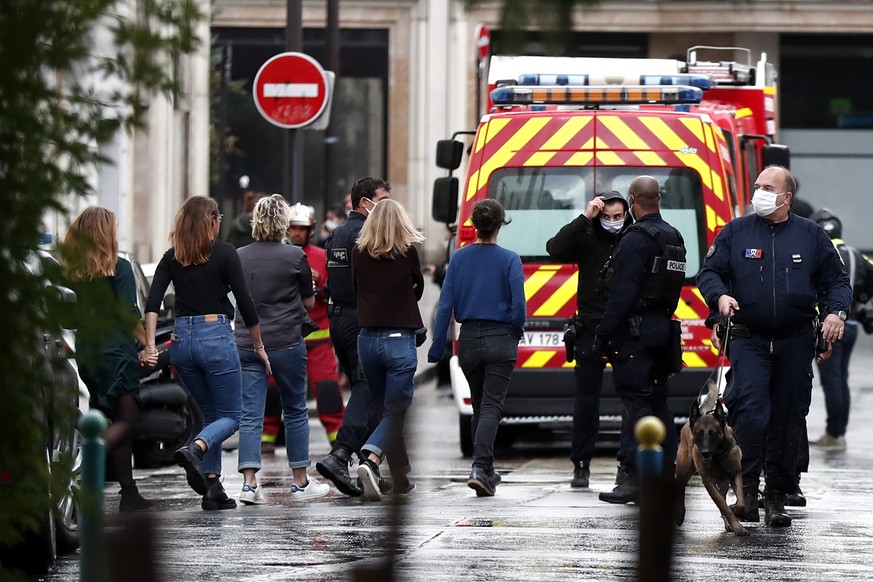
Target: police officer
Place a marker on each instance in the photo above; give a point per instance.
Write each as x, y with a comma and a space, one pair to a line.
643, 281
768, 272
360, 413
834, 372
589, 241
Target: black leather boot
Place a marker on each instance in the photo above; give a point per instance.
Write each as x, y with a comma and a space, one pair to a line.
627, 488
581, 475
774, 509
335, 467
796, 499
751, 495
189, 457
131, 500
215, 497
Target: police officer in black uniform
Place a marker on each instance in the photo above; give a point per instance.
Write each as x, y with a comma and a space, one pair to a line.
643, 281
361, 412
772, 272
589, 241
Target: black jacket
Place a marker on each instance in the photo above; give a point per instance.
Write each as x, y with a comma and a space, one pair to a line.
339, 259
587, 244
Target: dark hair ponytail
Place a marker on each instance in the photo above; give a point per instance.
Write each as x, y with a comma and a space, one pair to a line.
488, 216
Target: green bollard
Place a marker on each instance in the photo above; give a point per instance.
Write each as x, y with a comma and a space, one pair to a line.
91, 558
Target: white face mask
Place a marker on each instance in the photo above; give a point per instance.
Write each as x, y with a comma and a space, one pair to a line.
764, 202
611, 226
329, 225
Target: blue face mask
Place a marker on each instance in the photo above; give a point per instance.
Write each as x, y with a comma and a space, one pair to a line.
612, 226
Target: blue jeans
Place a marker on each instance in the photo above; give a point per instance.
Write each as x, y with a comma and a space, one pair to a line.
487, 352
289, 371
834, 374
389, 360
207, 364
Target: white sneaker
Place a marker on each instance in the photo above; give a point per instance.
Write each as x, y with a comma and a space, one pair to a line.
252, 495
313, 490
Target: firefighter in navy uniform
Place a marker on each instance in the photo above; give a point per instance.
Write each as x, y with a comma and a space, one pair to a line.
772, 272
360, 415
642, 282
588, 241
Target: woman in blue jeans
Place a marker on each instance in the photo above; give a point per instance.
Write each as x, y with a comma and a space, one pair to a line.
203, 269
280, 282
484, 289
386, 273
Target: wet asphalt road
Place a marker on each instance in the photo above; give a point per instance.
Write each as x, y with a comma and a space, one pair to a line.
535, 528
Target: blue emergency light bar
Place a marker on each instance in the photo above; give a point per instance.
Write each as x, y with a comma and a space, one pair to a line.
595, 95
538, 79
557, 79
699, 81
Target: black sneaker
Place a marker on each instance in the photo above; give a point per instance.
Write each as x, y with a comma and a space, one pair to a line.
215, 497
402, 486
581, 476
189, 458
480, 483
385, 486
335, 468
368, 471
774, 510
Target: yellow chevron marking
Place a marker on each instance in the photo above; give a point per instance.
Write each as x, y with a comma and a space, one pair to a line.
710, 218
558, 141
537, 279
650, 159
770, 90
698, 294
539, 159
499, 158
580, 159
609, 158
744, 112
472, 185
695, 127
560, 297
717, 188
685, 312
539, 359
588, 145
620, 129
693, 360
494, 128
568, 364
675, 143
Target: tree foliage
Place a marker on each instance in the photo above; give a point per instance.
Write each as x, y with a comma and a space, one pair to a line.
72, 73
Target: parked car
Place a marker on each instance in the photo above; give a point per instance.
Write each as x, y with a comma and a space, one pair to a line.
58, 531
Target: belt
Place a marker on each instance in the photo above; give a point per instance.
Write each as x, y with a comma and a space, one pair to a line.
740, 331
207, 318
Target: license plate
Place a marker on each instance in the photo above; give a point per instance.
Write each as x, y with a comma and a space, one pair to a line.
542, 339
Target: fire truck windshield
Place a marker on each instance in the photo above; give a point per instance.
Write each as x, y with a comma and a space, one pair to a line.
540, 200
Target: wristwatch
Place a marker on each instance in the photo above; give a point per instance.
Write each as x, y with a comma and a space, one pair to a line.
841, 315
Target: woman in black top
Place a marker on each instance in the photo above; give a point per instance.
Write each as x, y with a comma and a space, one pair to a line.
107, 321
203, 270
387, 276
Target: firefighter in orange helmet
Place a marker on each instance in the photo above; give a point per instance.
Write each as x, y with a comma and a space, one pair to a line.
321, 364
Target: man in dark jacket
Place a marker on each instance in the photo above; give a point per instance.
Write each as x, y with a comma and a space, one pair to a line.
643, 281
589, 241
772, 273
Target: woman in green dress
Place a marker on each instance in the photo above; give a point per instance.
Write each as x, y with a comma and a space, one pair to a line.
108, 320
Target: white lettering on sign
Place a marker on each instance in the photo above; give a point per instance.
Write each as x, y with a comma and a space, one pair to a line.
676, 266
541, 339
279, 90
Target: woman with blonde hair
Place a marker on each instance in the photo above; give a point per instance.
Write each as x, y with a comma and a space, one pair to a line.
203, 270
280, 282
388, 281
107, 320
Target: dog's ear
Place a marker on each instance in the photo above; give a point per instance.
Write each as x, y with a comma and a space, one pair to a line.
694, 413
719, 412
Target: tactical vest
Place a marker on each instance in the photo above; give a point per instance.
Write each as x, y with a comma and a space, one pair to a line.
663, 283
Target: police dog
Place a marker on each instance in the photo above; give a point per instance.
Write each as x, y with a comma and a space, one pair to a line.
707, 447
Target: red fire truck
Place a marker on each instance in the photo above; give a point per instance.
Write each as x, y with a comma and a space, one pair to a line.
558, 131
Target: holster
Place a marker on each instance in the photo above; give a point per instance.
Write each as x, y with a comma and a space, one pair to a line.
570, 339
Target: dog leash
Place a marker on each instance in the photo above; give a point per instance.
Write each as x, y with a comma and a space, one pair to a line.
717, 372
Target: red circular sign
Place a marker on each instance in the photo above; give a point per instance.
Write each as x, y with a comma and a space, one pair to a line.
290, 90
483, 41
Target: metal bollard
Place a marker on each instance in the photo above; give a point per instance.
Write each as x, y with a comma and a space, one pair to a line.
91, 555
650, 432
657, 495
